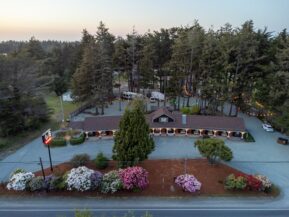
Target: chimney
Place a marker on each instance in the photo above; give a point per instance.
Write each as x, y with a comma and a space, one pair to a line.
184, 119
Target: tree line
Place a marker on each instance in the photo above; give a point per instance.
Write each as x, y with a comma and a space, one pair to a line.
244, 66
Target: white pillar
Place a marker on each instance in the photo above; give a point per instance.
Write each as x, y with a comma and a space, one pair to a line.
215, 133
242, 135
229, 134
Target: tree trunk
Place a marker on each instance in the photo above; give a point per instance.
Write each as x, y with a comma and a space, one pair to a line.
230, 111
96, 110
188, 101
237, 111
102, 108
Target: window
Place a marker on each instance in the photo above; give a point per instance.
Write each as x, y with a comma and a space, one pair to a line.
163, 119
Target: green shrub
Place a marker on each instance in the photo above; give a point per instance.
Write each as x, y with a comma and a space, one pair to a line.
58, 183
35, 184
195, 109
233, 182
57, 142
214, 149
3, 145
77, 140
186, 110
18, 170
67, 133
248, 137
101, 162
79, 160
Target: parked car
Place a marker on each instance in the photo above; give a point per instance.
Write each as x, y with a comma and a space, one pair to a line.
282, 141
153, 100
267, 127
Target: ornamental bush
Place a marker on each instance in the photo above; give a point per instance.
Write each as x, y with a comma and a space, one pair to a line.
188, 183
58, 183
95, 179
79, 179
111, 182
77, 140
195, 109
57, 142
35, 184
101, 162
18, 170
19, 180
214, 149
186, 110
266, 183
48, 182
233, 182
253, 184
79, 160
134, 178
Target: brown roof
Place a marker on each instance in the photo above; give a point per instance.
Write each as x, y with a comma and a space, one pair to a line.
101, 123
193, 122
160, 112
203, 122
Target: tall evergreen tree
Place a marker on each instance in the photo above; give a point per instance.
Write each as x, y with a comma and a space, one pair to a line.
92, 81
132, 142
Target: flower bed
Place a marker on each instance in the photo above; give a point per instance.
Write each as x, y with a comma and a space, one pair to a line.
245, 182
82, 179
162, 175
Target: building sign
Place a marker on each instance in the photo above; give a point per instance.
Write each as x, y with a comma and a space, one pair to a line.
47, 137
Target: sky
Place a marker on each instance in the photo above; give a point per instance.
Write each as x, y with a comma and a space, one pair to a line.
65, 19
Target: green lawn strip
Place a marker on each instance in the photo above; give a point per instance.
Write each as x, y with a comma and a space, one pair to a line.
53, 103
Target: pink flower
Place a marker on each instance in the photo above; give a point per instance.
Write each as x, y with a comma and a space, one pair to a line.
188, 183
134, 178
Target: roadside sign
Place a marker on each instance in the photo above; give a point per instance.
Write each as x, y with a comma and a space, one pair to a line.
46, 137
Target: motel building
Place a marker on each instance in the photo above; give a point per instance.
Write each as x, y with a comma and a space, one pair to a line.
163, 122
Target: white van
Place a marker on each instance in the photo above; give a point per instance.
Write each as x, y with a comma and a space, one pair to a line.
130, 95
157, 96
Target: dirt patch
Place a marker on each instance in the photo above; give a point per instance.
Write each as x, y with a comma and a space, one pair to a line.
161, 179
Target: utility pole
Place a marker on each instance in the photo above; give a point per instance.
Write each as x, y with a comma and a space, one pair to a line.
62, 111
119, 91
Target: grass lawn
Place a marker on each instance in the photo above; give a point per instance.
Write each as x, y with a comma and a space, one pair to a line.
10, 144
53, 103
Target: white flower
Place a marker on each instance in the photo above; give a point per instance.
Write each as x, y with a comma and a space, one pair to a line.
18, 181
266, 183
79, 179
111, 182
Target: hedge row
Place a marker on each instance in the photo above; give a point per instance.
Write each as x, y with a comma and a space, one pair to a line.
77, 140
58, 142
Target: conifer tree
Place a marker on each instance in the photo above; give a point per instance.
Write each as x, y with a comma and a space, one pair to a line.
133, 142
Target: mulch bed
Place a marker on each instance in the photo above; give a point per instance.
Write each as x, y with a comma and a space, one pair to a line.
161, 180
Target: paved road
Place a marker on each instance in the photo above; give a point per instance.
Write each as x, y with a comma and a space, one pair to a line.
54, 207
153, 212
